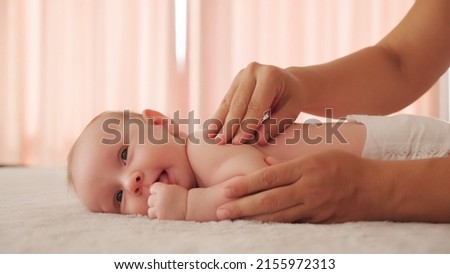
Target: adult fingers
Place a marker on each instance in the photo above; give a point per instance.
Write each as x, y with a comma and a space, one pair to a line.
297, 213
276, 180
266, 178
224, 107
266, 91
263, 203
234, 106
273, 126
248, 99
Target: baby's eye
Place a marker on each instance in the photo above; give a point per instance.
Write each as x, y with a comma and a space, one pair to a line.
118, 197
124, 155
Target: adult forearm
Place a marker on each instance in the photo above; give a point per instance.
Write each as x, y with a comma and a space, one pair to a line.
387, 76
367, 81
420, 190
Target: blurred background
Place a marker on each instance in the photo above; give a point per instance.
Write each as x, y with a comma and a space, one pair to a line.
64, 61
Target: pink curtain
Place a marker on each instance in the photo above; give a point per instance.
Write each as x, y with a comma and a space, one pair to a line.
64, 61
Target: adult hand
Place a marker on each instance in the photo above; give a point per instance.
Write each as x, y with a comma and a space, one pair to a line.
256, 91
328, 187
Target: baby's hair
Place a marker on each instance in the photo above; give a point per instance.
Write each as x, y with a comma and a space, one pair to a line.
106, 114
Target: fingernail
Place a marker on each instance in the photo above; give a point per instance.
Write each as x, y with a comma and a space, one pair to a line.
223, 214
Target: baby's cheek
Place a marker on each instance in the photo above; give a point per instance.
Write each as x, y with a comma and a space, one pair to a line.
138, 206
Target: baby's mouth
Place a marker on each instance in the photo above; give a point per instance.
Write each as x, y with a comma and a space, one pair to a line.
164, 178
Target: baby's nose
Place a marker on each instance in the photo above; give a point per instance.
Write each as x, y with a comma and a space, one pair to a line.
135, 182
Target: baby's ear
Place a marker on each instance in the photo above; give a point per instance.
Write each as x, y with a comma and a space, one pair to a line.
157, 117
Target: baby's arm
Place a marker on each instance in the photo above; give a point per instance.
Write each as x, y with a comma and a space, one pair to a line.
202, 203
214, 165
173, 202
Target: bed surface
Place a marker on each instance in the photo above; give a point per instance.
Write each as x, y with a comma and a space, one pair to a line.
40, 214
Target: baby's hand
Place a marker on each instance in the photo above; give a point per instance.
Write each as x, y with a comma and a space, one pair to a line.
167, 202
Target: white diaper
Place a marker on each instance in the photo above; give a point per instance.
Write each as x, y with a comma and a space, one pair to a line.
403, 136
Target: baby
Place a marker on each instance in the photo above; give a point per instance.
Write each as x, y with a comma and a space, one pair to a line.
131, 163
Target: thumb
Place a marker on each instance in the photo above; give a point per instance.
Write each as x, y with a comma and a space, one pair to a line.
276, 175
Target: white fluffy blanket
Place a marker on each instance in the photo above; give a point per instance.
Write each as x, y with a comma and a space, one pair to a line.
40, 214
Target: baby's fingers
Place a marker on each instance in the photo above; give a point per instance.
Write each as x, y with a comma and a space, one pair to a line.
152, 213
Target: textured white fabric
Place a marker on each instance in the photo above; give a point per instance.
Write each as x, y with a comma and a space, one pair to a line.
39, 214
403, 136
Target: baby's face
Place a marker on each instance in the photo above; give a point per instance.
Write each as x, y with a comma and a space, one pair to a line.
116, 178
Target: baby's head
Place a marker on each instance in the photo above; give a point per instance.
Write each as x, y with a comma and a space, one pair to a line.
119, 155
